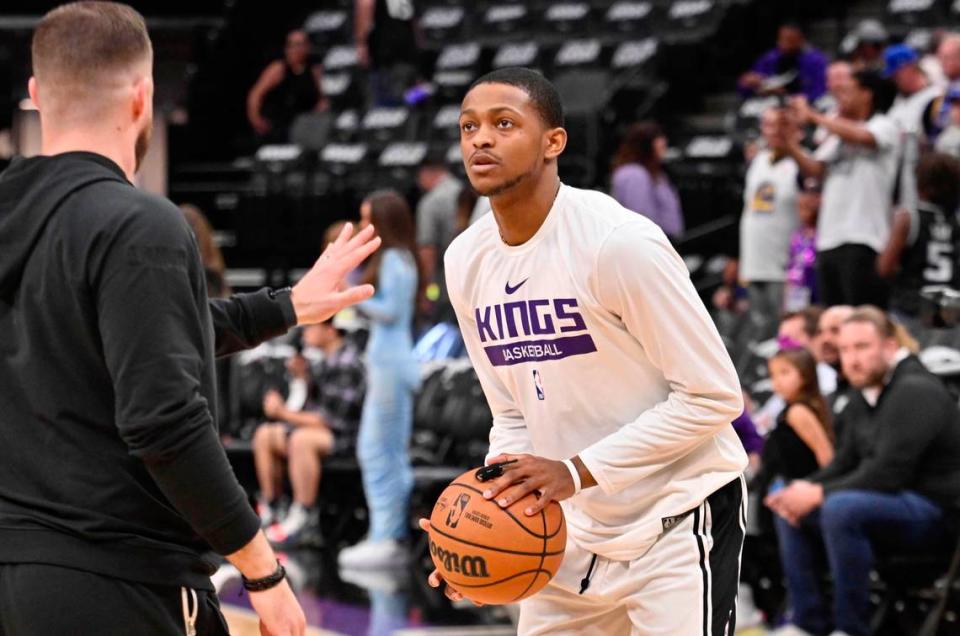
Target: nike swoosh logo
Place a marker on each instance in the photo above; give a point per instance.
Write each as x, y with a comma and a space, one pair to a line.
510, 289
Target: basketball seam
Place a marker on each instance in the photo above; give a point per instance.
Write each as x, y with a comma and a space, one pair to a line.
486, 547
510, 514
537, 572
543, 519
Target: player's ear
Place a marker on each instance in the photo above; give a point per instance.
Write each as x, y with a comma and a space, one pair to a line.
555, 140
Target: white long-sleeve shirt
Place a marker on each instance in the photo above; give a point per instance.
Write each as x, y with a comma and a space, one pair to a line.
589, 339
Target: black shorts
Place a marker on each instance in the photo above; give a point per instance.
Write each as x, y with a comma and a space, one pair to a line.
46, 600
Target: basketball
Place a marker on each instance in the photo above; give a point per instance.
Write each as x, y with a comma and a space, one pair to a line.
494, 555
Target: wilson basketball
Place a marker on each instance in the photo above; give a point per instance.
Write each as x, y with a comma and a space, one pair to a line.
494, 555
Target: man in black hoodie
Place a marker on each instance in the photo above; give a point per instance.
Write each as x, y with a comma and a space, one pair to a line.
894, 483
113, 485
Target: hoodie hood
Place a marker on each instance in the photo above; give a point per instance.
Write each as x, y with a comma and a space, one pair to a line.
31, 191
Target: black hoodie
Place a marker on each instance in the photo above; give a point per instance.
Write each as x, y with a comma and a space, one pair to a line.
110, 461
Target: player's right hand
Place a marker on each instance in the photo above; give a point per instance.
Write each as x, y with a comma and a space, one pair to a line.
436, 579
280, 613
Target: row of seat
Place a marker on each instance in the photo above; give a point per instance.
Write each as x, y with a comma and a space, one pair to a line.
445, 22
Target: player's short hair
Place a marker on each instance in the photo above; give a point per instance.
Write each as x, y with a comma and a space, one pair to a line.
77, 46
541, 91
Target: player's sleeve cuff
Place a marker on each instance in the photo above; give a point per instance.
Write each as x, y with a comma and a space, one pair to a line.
596, 469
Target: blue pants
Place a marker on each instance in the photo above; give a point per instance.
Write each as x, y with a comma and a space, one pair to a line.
851, 525
382, 451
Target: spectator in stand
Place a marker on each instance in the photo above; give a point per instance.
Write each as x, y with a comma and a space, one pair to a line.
839, 79
210, 254
949, 55
466, 203
922, 246
392, 378
328, 428
948, 142
797, 330
895, 477
285, 89
864, 46
768, 219
802, 440
793, 67
639, 183
386, 39
858, 165
800, 288
436, 228
914, 111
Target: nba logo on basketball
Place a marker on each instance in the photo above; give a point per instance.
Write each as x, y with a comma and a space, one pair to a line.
453, 517
538, 384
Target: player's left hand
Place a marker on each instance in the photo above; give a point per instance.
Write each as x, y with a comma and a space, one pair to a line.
530, 473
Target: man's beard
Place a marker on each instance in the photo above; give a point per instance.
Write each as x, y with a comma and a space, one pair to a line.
871, 378
503, 187
142, 144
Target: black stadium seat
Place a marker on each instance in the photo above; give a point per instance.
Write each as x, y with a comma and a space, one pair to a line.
442, 24
904, 14
506, 18
456, 67
517, 54
329, 27
576, 53
691, 21
633, 17
568, 17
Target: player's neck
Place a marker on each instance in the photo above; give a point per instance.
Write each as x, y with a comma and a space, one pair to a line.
112, 147
522, 210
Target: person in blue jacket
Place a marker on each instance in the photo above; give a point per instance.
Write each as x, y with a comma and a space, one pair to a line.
392, 378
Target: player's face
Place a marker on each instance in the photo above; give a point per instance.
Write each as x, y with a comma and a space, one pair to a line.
864, 354
786, 379
502, 138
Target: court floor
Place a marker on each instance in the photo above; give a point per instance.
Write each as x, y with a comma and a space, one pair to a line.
388, 603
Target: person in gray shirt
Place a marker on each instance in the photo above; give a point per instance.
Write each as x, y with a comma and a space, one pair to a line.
436, 228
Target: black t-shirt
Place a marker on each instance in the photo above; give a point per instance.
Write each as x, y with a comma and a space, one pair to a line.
785, 455
931, 258
296, 93
392, 38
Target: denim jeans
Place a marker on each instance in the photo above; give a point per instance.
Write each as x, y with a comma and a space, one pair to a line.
851, 525
382, 442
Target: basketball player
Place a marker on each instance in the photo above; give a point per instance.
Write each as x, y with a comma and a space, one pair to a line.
609, 385
113, 484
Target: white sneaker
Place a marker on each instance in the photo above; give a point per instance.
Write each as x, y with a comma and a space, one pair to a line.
789, 630
296, 519
372, 555
747, 613
268, 516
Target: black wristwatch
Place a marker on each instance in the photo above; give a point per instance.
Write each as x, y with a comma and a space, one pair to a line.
267, 582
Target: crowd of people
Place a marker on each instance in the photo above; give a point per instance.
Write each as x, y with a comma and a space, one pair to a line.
849, 212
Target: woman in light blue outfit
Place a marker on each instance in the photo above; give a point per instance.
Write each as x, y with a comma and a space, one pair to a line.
392, 378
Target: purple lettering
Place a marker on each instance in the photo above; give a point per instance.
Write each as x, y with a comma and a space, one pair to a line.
497, 311
508, 310
538, 327
578, 324
483, 324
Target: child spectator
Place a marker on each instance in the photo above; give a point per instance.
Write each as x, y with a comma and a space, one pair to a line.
802, 441
800, 288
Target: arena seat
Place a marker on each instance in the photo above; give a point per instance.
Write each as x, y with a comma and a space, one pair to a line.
691, 21
901, 15
506, 19
443, 23
329, 27
631, 17
566, 18
456, 67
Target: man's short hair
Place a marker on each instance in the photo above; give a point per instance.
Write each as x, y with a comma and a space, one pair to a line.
810, 316
880, 87
541, 91
77, 45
